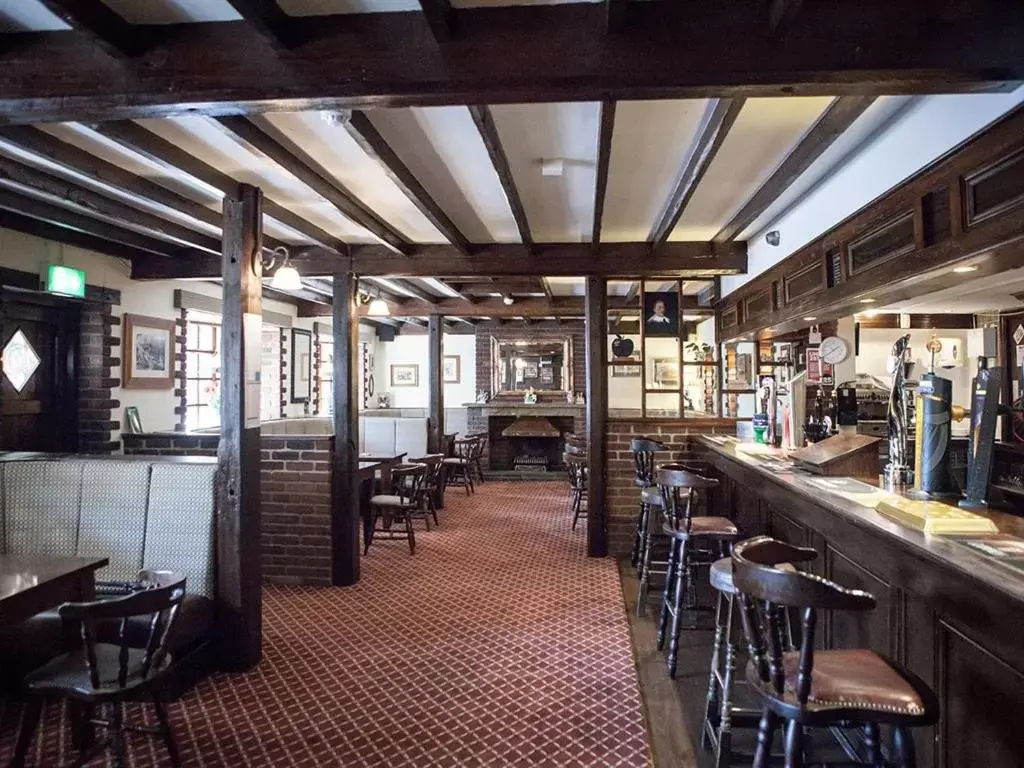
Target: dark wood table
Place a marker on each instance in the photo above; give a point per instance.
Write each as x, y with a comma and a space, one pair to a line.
30, 584
367, 473
387, 463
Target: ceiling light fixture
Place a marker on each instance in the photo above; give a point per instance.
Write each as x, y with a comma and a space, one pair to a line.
867, 301
972, 268
378, 308
286, 277
810, 319
508, 300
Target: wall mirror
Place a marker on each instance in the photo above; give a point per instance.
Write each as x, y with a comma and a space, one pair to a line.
545, 365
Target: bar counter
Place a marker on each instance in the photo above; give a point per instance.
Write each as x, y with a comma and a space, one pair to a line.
952, 615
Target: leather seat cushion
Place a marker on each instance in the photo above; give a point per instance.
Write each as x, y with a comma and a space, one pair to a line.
713, 526
652, 495
455, 461
857, 679
69, 672
391, 500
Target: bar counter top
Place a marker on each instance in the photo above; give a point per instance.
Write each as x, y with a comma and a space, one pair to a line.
938, 549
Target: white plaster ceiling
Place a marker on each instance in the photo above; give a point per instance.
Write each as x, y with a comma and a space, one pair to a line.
171, 11
25, 15
984, 294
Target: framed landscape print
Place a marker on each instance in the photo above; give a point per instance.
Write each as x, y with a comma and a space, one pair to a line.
302, 365
405, 375
625, 370
666, 372
451, 369
148, 352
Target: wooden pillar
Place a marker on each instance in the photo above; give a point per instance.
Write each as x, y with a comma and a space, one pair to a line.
345, 496
435, 384
238, 453
597, 413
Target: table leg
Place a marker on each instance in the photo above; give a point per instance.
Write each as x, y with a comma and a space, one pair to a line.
442, 478
83, 589
365, 492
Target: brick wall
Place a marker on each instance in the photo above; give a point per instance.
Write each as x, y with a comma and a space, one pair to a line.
624, 497
295, 479
96, 343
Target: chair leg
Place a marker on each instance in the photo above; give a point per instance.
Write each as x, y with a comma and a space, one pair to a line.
165, 731
794, 745
369, 536
681, 586
469, 479
638, 535
643, 574
711, 697
873, 744
903, 745
116, 730
410, 532
666, 593
29, 723
765, 734
426, 513
724, 754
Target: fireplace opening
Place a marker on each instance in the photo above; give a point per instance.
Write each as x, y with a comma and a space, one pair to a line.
535, 454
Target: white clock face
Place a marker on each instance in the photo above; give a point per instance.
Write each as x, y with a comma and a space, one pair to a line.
834, 350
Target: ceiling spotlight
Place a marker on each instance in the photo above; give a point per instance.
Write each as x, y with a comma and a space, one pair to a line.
773, 237
508, 300
286, 277
810, 319
973, 268
867, 301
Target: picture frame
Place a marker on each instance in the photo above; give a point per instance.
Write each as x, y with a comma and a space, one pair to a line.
661, 314
626, 370
451, 369
133, 421
405, 375
149, 352
547, 375
302, 360
530, 371
666, 372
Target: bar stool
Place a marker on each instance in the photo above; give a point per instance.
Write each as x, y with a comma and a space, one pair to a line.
576, 464
679, 489
814, 688
643, 477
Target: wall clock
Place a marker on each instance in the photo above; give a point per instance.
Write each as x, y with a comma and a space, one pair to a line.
834, 350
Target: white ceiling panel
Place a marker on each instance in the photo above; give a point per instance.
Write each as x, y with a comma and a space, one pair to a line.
558, 208
650, 143
173, 11
333, 149
28, 16
761, 138
204, 139
567, 286
443, 149
984, 294
319, 7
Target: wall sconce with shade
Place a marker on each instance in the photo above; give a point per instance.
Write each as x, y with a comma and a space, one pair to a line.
378, 307
286, 277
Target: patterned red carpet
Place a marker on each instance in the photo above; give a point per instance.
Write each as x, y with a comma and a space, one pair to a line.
498, 644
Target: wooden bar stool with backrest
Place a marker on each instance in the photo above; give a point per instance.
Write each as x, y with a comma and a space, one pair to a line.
680, 487
577, 466
106, 674
459, 467
403, 503
813, 688
431, 485
643, 449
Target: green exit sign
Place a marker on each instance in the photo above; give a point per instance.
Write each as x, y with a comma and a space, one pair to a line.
65, 281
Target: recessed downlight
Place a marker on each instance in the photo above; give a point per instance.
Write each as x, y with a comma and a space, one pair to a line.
867, 301
972, 268
810, 319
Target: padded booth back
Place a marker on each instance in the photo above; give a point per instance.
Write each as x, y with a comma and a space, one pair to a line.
387, 436
138, 513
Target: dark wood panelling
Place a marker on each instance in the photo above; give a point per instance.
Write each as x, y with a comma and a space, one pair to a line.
834, 265
875, 629
893, 239
936, 223
804, 282
995, 189
730, 316
757, 305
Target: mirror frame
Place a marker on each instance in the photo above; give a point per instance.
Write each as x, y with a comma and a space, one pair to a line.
567, 360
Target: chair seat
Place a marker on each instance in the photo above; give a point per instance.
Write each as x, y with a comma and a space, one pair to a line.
68, 674
854, 679
392, 500
706, 526
455, 461
641, 482
651, 495
721, 576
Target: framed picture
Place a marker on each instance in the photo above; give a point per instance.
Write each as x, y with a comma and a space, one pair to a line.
628, 371
405, 375
666, 372
661, 314
451, 369
132, 420
547, 375
302, 359
148, 352
530, 372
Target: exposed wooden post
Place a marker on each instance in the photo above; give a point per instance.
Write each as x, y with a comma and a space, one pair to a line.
435, 383
238, 454
345, 497
597, 412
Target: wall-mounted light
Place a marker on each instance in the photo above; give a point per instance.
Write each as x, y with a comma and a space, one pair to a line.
508, 300
378, 308
286, 277
773, 237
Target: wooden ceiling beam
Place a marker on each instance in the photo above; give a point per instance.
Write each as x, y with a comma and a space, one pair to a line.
269, 21
162, 152
256, 139
312, 261
515, 55
604, 154
833, 122
107, 29
718, 120
564, 306
441, 17
617, 15
781, 14
484, 121
369, 138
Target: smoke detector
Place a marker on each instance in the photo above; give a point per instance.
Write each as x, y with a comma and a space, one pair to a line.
552, 167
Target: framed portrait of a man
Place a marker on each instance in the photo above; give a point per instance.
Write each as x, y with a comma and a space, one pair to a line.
661, 314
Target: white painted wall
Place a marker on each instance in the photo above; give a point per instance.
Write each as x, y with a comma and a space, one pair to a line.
914, 140
412, 350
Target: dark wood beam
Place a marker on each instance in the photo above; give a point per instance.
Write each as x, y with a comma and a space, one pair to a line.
781, 14
313, 261
435, 384
718, 119
604, 154
369, 138
25, 180
256, 139
513, 55
345, 486
63, 233
162, 152
626, 260
441, 17
104, 27
564, 306
238, 452
596, 413
833, 122
484, 121
617, 15
268, 20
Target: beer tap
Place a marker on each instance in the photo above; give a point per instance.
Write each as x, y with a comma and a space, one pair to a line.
897, 472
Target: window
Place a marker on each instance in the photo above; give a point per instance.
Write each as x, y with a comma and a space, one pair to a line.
202, 370
325, 374
270, 374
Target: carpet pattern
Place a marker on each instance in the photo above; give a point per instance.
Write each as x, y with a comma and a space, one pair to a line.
498, 644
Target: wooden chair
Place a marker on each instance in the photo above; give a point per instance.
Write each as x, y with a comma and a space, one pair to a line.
460, 466
431, 484
403, 503
679, 488
476, 457
643, 477
815, 688
106, 674
577, 466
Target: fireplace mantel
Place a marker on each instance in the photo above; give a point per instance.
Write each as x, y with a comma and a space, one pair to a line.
521, 409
